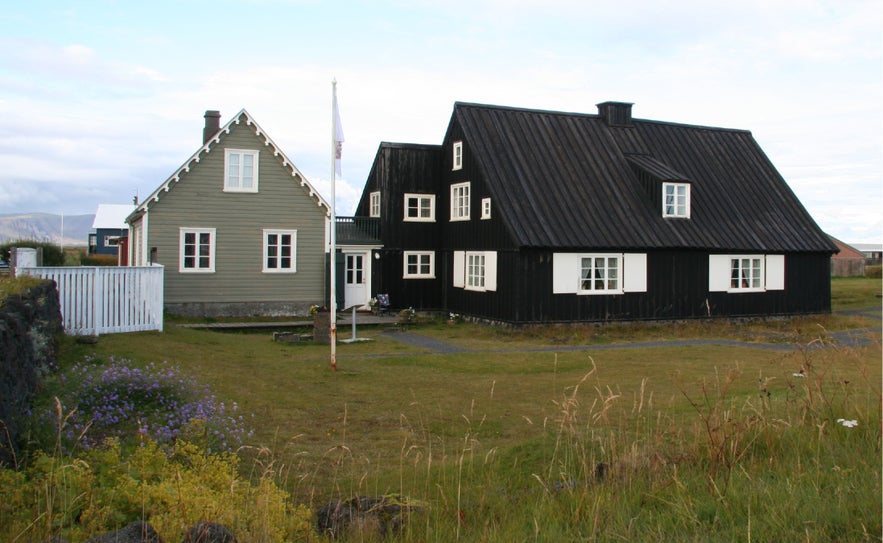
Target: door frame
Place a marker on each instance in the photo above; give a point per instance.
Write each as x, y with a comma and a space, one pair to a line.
367, 253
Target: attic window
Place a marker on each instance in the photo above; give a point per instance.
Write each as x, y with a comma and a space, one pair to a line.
458, 155
676, 200
240, 170
374, 208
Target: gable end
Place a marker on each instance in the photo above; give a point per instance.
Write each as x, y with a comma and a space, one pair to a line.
214, 140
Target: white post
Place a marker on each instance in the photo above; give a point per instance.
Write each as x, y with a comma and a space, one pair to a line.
333, 233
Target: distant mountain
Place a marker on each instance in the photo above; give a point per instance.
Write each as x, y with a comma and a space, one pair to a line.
46, 227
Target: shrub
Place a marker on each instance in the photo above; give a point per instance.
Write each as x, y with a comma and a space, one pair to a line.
874, 272
105, 488
98, 260
16, 285
154, 402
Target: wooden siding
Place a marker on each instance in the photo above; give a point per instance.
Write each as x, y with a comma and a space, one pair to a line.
424, 294
476, 234
677, 288
198, 201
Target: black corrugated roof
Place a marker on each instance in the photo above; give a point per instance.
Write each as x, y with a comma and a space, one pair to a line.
565, 180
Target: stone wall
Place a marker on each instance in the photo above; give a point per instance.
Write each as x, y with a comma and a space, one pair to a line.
30, 327
239, 309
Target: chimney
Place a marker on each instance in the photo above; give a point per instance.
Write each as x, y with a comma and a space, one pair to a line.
212, 125
616, 113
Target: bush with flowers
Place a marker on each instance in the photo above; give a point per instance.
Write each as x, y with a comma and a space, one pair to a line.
119, 399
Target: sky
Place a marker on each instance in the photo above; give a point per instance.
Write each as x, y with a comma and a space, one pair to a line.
102, 100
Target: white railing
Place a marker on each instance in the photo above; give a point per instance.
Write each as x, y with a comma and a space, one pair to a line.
104, 299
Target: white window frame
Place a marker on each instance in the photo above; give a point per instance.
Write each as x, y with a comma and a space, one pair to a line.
424, 202
423, 259
457, 156
767, 275
266, 256
475, 270
567, 273
182, 234
460, 200
112, 241
606, 259
374, 204
235, 183
485, 209
676, 209
740, 281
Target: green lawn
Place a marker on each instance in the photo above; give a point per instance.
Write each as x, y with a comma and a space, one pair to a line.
700, 442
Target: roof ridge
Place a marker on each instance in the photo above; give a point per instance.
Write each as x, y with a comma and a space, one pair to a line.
475, 105
405, 145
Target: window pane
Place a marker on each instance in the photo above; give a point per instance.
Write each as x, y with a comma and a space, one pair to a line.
247, 171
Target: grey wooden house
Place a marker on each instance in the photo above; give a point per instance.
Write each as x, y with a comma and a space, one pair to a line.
526, 216
238, 228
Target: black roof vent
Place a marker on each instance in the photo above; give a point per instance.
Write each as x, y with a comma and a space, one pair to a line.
616, 113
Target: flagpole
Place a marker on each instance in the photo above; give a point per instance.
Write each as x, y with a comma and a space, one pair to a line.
333, 233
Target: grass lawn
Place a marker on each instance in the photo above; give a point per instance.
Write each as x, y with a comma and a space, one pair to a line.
695, 442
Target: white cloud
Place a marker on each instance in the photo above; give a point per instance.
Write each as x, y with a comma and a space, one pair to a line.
92, 119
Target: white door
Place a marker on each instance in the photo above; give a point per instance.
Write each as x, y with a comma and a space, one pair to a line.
356, 280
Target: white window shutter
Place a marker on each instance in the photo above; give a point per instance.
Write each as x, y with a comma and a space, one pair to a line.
634, 272
775, 272
459, 269
565, 273
490, 270
718, 273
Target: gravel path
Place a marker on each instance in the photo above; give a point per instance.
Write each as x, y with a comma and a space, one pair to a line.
846, 338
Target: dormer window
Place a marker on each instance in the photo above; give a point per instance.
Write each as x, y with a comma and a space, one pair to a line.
676, 200
458, 155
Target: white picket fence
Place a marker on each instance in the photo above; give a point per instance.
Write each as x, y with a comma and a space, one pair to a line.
104, 299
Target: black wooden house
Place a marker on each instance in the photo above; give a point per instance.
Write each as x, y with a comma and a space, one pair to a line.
526, 216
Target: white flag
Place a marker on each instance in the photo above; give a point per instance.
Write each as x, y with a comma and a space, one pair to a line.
338, 132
